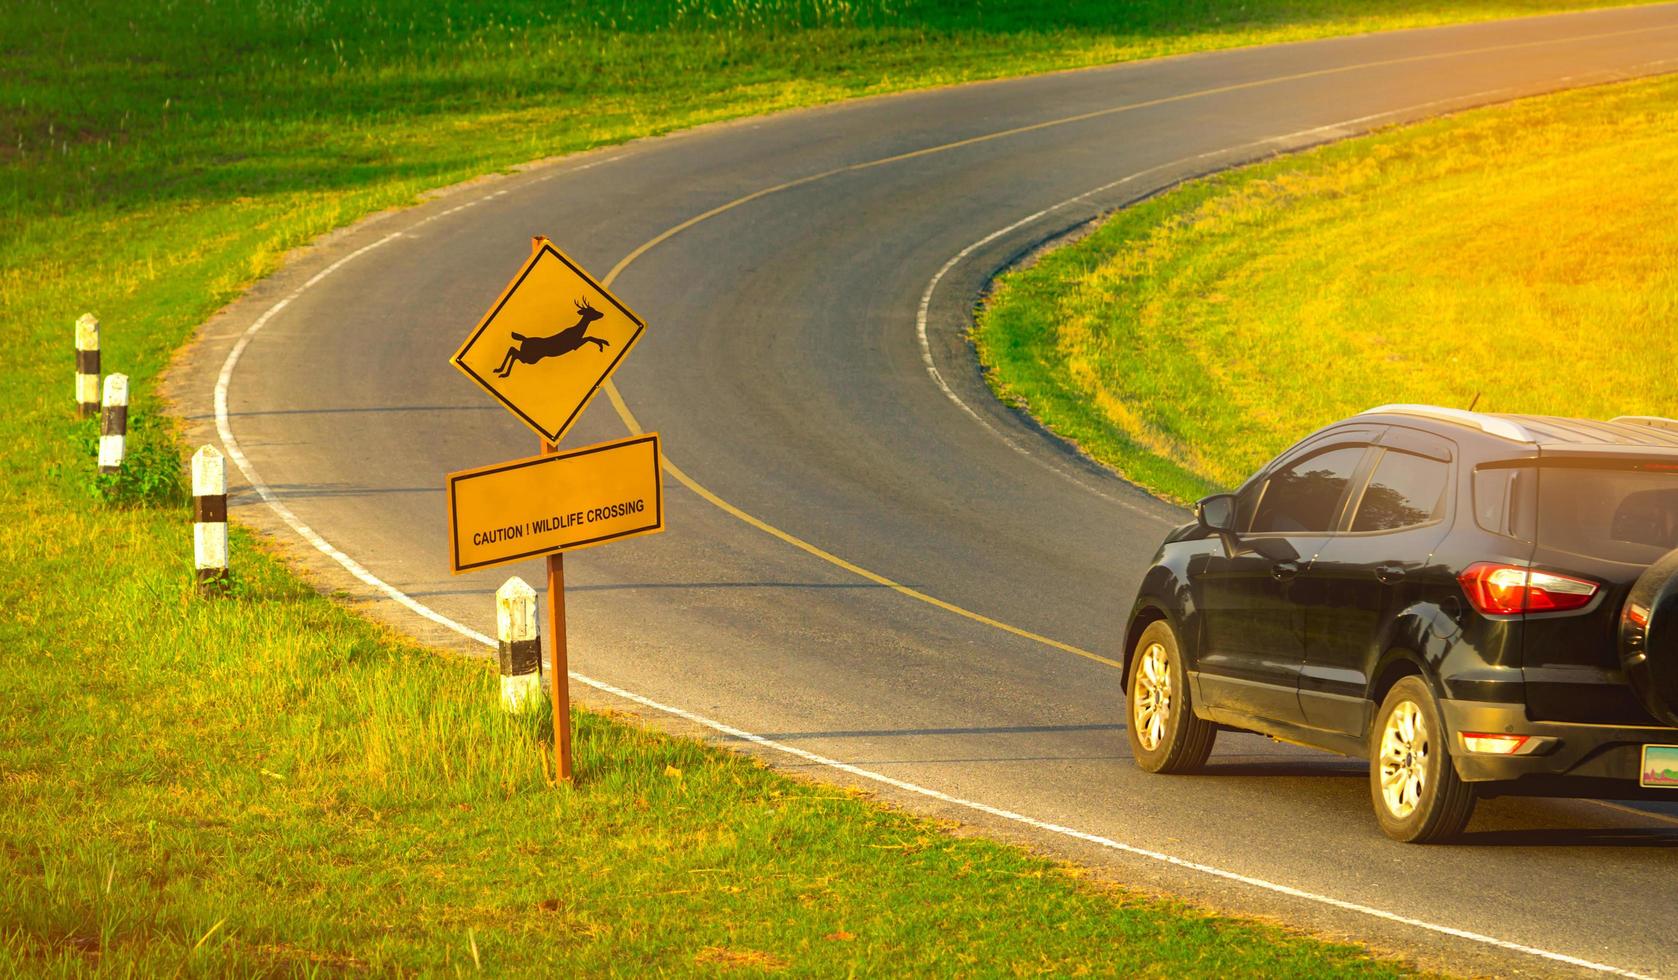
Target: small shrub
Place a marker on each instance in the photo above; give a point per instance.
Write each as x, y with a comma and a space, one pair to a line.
152, 474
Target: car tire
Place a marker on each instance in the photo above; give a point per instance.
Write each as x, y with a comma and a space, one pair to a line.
1165, 736
1418, 796
1649, 639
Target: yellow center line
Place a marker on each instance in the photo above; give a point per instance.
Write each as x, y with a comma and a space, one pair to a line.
682, 477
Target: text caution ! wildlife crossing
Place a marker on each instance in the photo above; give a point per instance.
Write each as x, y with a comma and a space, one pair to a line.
552, 503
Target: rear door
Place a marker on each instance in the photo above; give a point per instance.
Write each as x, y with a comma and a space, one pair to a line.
1604, 517
1252, 641
1378, 562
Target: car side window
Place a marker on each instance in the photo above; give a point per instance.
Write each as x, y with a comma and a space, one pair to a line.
1405, 490
1503, 500
1304, 497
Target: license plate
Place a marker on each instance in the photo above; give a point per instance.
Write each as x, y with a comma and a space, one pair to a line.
1660, 767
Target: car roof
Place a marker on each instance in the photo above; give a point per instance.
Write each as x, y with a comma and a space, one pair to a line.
1548, 433
1555, 431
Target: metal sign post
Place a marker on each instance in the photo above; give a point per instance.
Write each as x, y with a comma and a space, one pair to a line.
529, 355
560, 669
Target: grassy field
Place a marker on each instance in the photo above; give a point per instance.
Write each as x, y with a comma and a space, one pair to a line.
269, 784
1525, 254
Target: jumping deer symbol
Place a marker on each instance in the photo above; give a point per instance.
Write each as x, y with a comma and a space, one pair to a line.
529, 350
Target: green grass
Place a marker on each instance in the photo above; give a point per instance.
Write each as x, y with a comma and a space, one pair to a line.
270, 784
1525, 254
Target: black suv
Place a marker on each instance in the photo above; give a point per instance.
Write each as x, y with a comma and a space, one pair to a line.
1480, 604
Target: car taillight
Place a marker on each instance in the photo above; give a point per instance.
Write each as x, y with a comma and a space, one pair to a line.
1504, 590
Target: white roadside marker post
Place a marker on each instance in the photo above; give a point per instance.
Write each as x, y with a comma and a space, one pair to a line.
521, 648
87, 365
209, 520
113, 424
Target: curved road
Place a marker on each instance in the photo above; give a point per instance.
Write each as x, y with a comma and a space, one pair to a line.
841, 466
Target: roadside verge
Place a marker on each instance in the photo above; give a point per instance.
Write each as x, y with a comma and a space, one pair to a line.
1517, 254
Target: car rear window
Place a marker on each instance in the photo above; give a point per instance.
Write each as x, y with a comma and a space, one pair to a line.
1625, 512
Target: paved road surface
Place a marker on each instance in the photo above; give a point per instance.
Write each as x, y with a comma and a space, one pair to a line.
786, 370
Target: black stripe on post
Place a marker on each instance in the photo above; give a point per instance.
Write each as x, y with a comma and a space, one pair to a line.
212, 580
113, 421
210, 509
519, 657
87, 362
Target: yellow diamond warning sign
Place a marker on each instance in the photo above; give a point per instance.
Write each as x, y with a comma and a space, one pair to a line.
549, 342
556, 502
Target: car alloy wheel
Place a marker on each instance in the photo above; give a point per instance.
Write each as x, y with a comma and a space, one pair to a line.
1165, 734
1418, 796
1404, 759
1152, 701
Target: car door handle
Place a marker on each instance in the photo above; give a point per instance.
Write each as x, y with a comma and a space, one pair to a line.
1284, 571
1389, 574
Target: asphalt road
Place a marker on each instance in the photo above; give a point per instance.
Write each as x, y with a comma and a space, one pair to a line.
785, 367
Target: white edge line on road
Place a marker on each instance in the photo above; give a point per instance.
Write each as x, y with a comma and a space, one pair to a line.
230, 443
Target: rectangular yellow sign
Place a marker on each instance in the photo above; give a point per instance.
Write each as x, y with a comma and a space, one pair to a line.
557, 502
